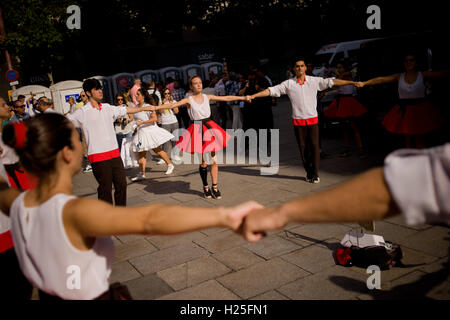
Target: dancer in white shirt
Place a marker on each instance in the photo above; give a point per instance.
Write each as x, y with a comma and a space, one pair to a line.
204, 135
302, 91
148, 135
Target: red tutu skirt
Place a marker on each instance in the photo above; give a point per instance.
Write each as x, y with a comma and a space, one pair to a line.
416, 117
203, 136
345, 107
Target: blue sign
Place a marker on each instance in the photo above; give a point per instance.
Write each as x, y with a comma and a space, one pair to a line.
12, 75
74, 96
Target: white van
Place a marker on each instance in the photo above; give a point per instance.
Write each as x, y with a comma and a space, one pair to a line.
332, 53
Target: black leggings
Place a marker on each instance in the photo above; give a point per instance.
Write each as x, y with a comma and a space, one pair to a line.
308, 144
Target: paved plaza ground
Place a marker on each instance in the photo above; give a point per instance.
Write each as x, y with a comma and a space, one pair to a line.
294, 263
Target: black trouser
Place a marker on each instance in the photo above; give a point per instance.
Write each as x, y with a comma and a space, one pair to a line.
14, 285
308, 143
107, 173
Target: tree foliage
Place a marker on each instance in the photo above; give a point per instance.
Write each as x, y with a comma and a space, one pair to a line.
32, 24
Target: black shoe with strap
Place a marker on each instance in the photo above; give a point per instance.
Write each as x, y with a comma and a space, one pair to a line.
215, 192
207, 192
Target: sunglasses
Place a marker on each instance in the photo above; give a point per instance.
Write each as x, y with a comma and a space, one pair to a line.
410, 60
83, 95
22, 106
166, 93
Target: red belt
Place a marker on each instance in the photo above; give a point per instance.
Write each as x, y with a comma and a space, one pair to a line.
6, 241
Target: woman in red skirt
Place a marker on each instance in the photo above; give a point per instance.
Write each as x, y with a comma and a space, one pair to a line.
346, 108
413, 116
204, 135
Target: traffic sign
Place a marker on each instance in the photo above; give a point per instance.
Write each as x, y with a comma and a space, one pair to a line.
11, 75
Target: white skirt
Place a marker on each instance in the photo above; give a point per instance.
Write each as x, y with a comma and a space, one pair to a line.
149, 138
128, 156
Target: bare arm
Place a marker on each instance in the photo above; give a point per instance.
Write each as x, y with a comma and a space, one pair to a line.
436, 74
264, 93
225, 98
7, 197
341, 82
364, 198
379, 80
131, 110
153, 118
91, 218
182, 103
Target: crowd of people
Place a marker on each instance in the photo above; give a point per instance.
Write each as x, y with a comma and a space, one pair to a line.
49, 228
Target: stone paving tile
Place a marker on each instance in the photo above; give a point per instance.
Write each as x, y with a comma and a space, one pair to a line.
209, 290
336, 283
312, 259
166, 258
433, 241
130, 237
149, 287
270, 295
123, 271
135, 201
440, 265
399, 220
167, 241
193, 272
261, 277
392, 232
212, 231
237, 258
221, 241
271, 247
314, 233
133, 248
116, 241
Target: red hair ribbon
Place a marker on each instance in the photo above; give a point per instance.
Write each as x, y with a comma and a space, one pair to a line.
20, 131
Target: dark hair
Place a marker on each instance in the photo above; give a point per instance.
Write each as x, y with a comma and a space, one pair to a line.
90, 84
46, 135
119, 95
147, 97
20, 96
298, 59
192, 78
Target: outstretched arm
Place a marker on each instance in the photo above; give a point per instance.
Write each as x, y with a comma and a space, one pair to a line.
379, 80
341, 82
436, 74
364, 198
264, 93
182, 103
226, 98
90, 218
131, 110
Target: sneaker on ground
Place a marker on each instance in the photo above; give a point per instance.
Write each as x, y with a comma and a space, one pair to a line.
216, 193
88, 168
176, 158
161, 161
139, 177
207, 192
170, 168
315, 180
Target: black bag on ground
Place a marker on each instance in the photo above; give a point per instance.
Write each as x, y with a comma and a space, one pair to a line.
384, 257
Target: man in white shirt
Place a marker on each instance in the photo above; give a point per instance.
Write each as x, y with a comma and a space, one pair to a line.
302, 91
97, 123
45, 105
